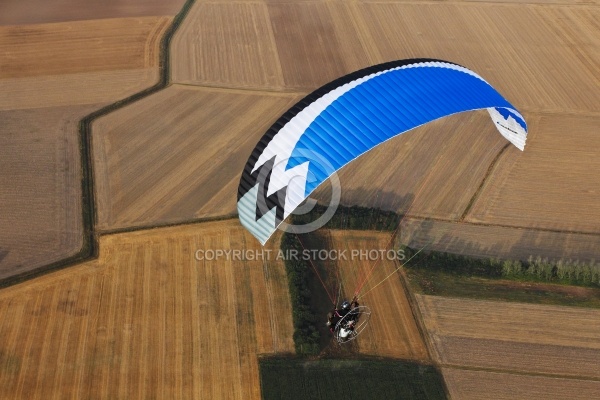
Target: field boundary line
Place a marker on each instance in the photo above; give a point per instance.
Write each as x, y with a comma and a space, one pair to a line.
89, 248
195, 221
244, 90
478, 191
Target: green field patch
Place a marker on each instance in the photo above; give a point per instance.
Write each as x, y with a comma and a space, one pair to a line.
533, 281
295, 378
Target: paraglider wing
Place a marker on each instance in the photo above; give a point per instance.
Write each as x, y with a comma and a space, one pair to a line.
348, 117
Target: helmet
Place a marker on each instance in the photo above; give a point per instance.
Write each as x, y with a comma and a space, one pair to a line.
345, 305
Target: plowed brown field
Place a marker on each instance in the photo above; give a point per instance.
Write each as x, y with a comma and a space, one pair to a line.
40, 186
523, 338
482, 385
147, 320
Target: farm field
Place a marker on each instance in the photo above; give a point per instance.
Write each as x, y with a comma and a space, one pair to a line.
65, 90
514, 197
80, 46
464, 33
226, 44
51, 76
163, 164
345, 36
447, 284
482, 385
432, 185
392, 330
529, 339
130, 178
28, 12
40, 186
47, 65
147, 320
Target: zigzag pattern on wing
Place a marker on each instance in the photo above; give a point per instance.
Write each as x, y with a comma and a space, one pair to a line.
264, 203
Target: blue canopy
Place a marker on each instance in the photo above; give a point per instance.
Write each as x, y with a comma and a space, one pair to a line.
350, 116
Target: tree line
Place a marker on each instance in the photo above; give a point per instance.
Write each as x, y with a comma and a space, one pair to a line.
299, 274
538, 269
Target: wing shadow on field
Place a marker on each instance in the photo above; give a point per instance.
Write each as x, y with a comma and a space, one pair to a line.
428, 234
513, 243
370, 198
379, 199
556, 245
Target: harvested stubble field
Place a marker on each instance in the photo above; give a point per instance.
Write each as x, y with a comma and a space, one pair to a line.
147, 320
555, 341
80, 46
51, 63
553, 184
101, 88
393, 331
306, 44
51, 76
177, 155
82, 62
226, 44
